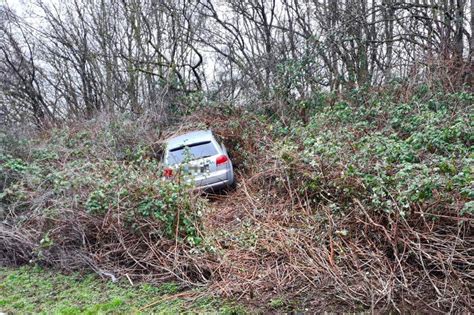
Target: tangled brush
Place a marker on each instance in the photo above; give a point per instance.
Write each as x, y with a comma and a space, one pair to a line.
301, 230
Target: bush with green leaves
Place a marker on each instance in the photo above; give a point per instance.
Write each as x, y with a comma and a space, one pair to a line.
77, 169
401, 153
140, 192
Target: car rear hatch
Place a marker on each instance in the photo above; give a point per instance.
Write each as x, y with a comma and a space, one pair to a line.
200, 163
205, 171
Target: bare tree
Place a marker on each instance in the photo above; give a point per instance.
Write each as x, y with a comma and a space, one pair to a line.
143, 56
21, 85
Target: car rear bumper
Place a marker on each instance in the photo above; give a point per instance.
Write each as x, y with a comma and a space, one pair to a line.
216, 181
215, 186
211, 181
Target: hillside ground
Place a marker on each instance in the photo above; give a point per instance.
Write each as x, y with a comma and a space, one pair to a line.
364, 203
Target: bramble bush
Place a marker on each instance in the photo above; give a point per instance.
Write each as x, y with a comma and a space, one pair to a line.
76, 170
368, 195
402, 153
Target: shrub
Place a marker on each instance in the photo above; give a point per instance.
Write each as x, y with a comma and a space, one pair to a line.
76, 190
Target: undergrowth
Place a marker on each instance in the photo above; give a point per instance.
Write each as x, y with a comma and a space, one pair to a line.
365, 203
399, 156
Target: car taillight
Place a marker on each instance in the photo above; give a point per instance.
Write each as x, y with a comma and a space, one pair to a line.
221, 159
168, 172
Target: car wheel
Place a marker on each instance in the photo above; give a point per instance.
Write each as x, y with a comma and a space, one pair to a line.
233, 185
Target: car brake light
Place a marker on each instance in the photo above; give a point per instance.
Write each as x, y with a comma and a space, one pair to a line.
168, 172
221, 159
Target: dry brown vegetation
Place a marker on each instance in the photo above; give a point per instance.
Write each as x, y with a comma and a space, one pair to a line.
293, 234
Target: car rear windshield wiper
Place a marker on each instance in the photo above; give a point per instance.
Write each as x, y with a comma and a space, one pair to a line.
189, 146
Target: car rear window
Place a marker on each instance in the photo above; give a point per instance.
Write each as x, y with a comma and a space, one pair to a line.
192, 152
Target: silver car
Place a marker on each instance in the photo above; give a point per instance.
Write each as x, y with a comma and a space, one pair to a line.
198, 158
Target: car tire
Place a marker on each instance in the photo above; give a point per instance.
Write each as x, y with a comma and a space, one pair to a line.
233, 185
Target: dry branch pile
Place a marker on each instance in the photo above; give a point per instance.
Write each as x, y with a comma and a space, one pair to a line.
278, 235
